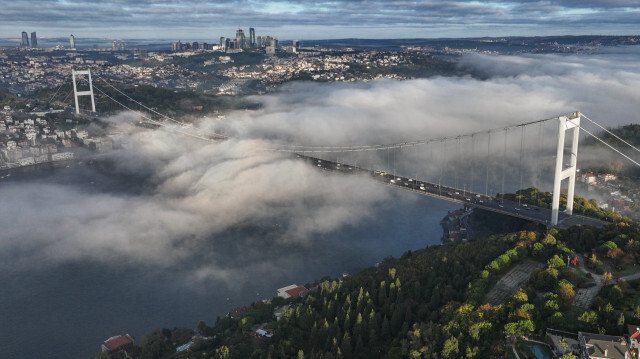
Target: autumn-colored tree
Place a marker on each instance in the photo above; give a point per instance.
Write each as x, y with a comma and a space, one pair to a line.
606, 278
575, 261
566, 293
614, 253
521, 296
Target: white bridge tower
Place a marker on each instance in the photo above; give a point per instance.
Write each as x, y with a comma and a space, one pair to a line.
83, 93
565, 123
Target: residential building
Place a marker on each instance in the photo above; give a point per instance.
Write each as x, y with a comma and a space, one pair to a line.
292, 291
605, 177
588, 178
118, 343
633, 336
598, 346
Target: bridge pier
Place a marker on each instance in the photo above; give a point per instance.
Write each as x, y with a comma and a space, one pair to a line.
565, 123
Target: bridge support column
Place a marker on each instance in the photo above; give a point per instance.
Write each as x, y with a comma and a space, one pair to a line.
565, 123
83, 93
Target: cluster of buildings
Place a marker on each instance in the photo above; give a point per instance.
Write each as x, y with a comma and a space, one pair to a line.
30, 141
241, 42
232, 44
30, 72
320, 66
596, 346
26, 72
454, 225
620, 199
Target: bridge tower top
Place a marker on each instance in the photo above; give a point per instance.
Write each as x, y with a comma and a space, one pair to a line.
565, 123
77, 93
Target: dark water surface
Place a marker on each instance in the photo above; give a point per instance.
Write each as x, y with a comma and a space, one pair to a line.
67, 310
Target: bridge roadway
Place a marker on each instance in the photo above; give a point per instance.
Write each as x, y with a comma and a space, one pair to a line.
498, 205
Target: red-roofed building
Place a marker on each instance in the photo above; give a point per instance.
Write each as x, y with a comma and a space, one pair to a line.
118, 342
298, 292
634, 337
292, 291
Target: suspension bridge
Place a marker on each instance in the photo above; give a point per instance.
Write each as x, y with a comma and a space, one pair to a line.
475, 168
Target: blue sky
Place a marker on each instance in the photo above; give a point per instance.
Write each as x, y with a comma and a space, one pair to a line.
318, 19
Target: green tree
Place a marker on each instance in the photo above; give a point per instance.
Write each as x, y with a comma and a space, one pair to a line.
153, 345
589, 319
222, 353
202, 327
519, 328
555, 262
636, 312
450, 348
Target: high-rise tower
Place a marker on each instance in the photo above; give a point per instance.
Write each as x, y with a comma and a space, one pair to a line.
252, 37
72, 41
25, 39
240, 39
34, 40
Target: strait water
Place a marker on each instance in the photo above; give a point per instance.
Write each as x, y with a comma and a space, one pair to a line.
68, 309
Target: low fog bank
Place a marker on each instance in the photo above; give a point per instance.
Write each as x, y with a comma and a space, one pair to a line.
196, 191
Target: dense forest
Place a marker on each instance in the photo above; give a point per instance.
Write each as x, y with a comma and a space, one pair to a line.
431, 303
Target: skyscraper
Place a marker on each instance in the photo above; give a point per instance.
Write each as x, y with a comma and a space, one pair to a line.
122, 45
240, 39
34, 40
114, 47
252, 37
25, 39
223, 43
72, 41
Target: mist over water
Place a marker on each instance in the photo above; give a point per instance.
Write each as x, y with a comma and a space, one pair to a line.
90, 299
177, 230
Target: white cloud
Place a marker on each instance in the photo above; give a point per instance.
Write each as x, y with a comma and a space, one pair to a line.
192, 191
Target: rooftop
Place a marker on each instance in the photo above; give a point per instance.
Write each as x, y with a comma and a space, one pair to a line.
605, 346
117, 341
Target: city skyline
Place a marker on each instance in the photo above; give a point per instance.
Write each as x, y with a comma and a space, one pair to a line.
323, 19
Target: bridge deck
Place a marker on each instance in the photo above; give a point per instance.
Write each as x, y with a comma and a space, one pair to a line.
509, 208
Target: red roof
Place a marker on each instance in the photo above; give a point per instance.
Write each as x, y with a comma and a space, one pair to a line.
116, 342
297, 291
634, 330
